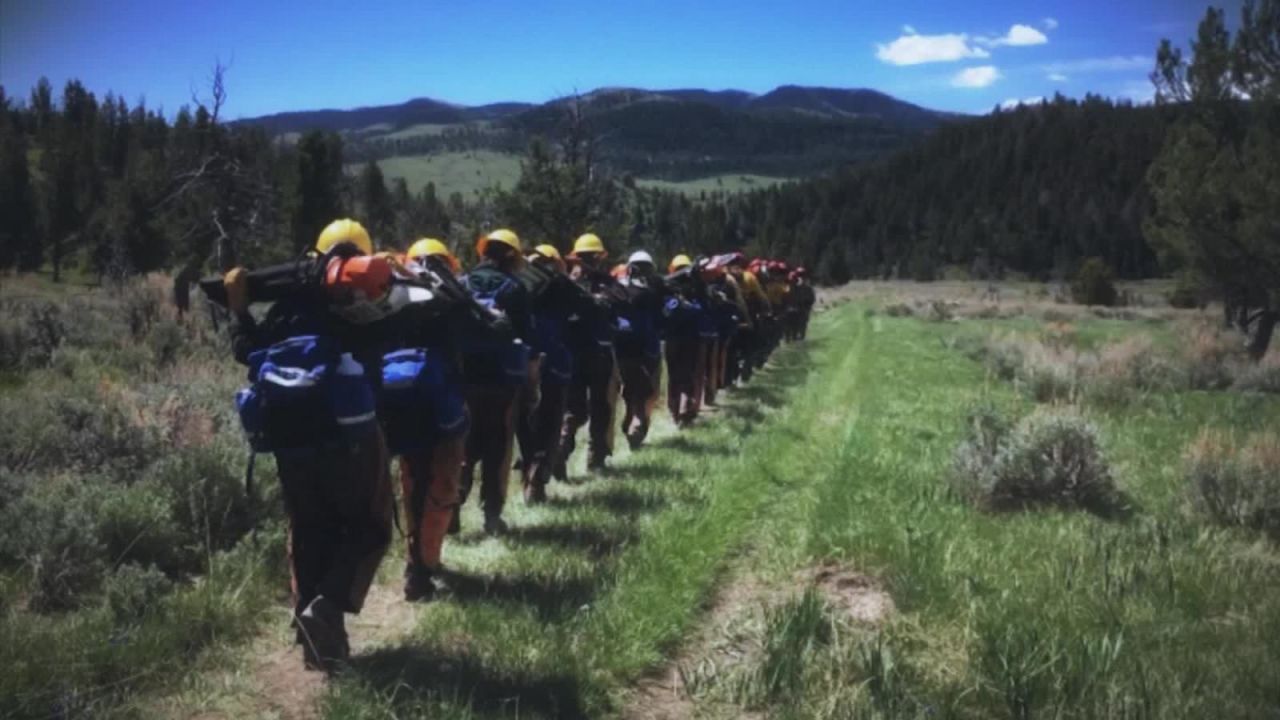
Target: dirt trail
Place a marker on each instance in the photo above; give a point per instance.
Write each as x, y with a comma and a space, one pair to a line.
271, 682
663, 695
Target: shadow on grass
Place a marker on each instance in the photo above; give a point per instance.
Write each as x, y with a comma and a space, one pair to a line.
550, 598
686, 444
638, 471
408, 676
621, 501
750, 415
594, 542
765, 394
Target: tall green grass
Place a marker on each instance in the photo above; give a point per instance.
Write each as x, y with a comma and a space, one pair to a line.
1050, 613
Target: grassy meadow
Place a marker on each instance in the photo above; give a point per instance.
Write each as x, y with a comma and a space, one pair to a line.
836, 540
473, 171
729, 183
467, 172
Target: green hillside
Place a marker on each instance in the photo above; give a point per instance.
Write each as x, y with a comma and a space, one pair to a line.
463, 172
729, 183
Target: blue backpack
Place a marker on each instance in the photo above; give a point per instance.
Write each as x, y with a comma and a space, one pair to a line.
512, 356
303, 392
420, 401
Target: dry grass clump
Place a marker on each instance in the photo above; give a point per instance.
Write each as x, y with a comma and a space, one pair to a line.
1051, 457
931, 310
1050, 366
1236, 483
1262, 377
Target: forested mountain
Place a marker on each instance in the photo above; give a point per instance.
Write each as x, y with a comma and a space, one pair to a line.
671, 134
1033, 190
392, 117
115, 190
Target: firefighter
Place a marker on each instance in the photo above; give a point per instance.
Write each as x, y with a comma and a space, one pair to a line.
686, 350
495, 374
802, 302
593, 393
722, 308
312, 405
639, 346
425, 417
773, 279
539, 424
747, 295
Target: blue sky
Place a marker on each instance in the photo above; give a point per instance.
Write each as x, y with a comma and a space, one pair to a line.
959, 56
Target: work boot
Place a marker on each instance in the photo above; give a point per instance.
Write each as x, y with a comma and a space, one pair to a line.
494, 524
419, 585
455, 522
322, 632
535, 494
596, 461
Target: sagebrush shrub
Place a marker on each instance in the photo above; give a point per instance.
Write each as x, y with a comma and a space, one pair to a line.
1236, 483
134, 590
1094, 284
1051, 374
52, 532
142, 307
210, 507
1263, 377
135, 524
1187, 294
1051, 457
972, 474
1054, 457
13, 343
939, 311
166, 340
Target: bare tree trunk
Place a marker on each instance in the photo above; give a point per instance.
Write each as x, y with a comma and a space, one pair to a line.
1260, 340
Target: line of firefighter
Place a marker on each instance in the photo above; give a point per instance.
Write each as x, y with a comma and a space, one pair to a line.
527, 346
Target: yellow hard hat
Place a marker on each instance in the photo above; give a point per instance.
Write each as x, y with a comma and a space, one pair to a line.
504, 236
426, 247
342, 231
588, 243
679, 261
548, 251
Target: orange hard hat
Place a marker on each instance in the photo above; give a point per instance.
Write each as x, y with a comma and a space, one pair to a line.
365, 277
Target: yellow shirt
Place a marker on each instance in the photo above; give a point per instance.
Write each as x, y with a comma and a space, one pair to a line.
754, 294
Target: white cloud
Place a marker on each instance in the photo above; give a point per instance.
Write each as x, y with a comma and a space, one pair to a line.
1050, 23
908, 30
1057, 77
911, 49
1116, 63
1012, 103
976, 77
1020, 36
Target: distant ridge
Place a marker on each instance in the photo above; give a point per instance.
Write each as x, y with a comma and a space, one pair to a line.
824, 102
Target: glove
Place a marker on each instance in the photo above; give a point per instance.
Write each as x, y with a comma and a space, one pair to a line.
236, 283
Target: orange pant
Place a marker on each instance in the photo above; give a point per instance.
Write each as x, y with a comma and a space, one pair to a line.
429, 483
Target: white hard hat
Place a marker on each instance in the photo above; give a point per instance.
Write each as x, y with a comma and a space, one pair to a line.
640, 256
